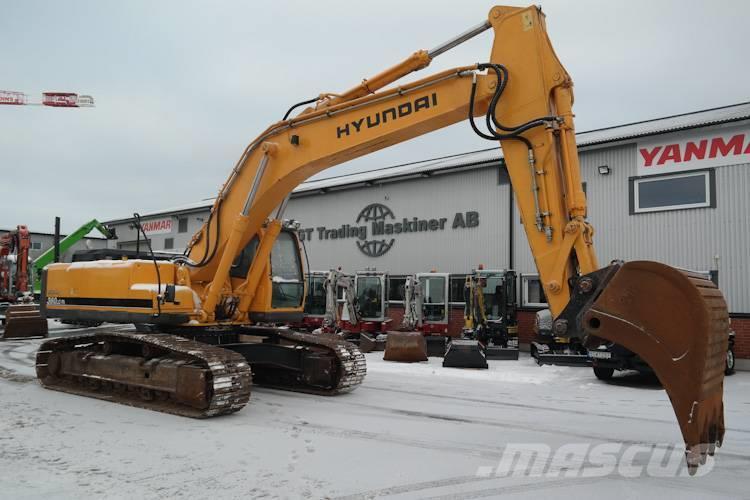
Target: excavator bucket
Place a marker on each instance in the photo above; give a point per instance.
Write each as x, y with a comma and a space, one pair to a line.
369, 343
502, 353
407, 347
677, 321
23, 321
464, 353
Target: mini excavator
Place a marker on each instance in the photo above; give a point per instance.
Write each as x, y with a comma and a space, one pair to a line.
207, 318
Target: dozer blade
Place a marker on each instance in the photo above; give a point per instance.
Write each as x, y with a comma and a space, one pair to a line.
563, 359
369, 343
24, 321
502, 353
407, 347
465, 354
678, 323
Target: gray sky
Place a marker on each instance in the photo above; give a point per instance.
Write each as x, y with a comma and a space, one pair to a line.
181, 87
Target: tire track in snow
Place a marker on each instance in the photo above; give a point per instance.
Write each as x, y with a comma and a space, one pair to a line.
533, 407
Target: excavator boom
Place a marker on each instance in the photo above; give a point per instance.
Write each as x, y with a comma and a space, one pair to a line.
522, 98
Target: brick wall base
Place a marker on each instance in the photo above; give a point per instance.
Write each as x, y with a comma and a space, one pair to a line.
741, 327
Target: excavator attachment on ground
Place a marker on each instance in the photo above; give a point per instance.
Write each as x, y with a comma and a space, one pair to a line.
406, 347
465, 353
23, 321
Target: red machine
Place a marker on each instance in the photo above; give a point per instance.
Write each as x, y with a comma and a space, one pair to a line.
24, 319
14, 284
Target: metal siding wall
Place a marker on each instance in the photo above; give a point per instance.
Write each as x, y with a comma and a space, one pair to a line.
683, 238
195, 221
450, 250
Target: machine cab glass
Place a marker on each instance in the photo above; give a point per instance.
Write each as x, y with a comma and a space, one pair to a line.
315, 302
435, 296
371, 293
499, 292
286, 272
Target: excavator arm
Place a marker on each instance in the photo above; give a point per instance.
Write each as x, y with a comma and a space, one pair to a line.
521, 97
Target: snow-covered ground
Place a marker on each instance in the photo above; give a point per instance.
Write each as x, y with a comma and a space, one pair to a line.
410, 431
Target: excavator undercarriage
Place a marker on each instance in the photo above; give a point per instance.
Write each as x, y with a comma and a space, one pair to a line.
197, 375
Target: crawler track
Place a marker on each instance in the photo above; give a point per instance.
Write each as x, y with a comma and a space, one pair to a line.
350, 372
187, 377
226, 375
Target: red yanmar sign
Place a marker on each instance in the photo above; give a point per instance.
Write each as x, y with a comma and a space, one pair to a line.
158, 226
694, 150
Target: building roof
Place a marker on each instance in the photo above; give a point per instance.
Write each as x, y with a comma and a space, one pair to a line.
486, 157
674, 123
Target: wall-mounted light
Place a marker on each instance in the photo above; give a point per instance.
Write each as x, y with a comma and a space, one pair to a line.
604, 170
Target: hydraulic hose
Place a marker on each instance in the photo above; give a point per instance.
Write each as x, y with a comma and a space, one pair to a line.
137, 217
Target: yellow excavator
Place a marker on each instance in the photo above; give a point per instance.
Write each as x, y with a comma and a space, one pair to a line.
205, 320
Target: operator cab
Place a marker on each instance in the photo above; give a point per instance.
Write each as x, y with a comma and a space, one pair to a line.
371, 287
287, 278
434, 301
315, 300
499, 288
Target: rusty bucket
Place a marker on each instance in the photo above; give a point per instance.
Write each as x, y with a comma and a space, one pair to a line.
677, 321
23, 321
406, 347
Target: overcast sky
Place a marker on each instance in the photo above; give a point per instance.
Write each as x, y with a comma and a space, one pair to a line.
181, 87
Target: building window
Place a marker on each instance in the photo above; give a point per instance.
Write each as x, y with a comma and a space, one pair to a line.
532, 293
672, 192
182, 225
168, 243
396, 286
457, 285
36, 245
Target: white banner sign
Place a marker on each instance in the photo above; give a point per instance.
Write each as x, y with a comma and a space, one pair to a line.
157, 226
693, 150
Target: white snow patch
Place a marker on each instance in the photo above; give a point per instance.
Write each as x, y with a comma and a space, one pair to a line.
499, 371
104, 264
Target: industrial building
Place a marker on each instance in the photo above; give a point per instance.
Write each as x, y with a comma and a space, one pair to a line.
672, 189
